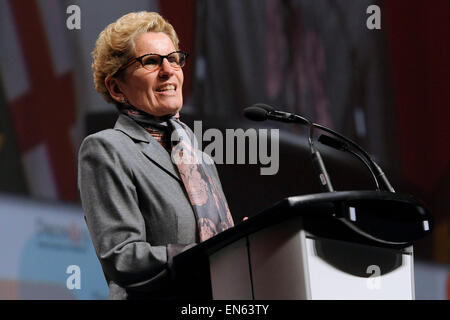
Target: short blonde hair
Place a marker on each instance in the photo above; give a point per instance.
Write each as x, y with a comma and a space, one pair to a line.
115, 45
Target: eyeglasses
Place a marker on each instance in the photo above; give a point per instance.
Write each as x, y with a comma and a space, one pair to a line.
153, 61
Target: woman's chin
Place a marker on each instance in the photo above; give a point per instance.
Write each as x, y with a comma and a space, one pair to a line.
162, 111
167, 111
171, 110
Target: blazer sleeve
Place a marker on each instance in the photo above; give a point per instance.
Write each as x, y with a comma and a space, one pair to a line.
113, 217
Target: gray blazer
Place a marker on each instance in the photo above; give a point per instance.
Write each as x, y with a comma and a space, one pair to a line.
135, 207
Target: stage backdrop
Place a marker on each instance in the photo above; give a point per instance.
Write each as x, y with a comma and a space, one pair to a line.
40, 240
387, 89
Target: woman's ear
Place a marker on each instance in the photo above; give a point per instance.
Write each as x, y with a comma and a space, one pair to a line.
112, 84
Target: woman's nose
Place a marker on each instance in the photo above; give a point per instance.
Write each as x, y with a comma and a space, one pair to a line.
166, 68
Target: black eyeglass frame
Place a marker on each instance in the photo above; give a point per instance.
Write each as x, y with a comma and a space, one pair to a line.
140, 59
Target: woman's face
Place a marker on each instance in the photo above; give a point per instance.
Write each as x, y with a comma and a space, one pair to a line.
158, 92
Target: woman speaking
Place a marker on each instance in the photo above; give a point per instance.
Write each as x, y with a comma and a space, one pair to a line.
142, 207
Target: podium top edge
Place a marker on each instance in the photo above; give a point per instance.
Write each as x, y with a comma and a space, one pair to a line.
348, 196
323, 205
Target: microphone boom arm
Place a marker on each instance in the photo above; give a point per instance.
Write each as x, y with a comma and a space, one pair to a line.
375, 167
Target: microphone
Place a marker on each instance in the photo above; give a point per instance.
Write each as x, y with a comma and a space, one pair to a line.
255, 113
267, 112
262, 112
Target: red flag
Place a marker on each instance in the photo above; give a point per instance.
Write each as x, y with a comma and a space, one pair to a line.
40, 94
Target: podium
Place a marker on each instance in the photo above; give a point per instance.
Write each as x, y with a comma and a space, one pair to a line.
338, 245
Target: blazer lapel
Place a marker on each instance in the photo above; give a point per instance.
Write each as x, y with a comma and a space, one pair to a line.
149, 146
156, 153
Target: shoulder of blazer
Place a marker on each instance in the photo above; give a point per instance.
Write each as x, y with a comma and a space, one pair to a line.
131, 128
121, 138
106, 145
104, 149
109, 137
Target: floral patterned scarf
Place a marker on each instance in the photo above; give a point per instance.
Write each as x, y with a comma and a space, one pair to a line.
205, 193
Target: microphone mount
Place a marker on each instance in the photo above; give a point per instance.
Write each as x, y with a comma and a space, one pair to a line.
262, 112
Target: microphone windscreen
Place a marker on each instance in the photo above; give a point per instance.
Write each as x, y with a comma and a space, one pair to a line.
255, 113
263, 106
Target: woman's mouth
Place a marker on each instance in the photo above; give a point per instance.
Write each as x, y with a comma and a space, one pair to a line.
167, 88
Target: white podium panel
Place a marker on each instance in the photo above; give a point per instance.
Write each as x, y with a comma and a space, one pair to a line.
279, 269
361, 273
284, 262
230, 272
